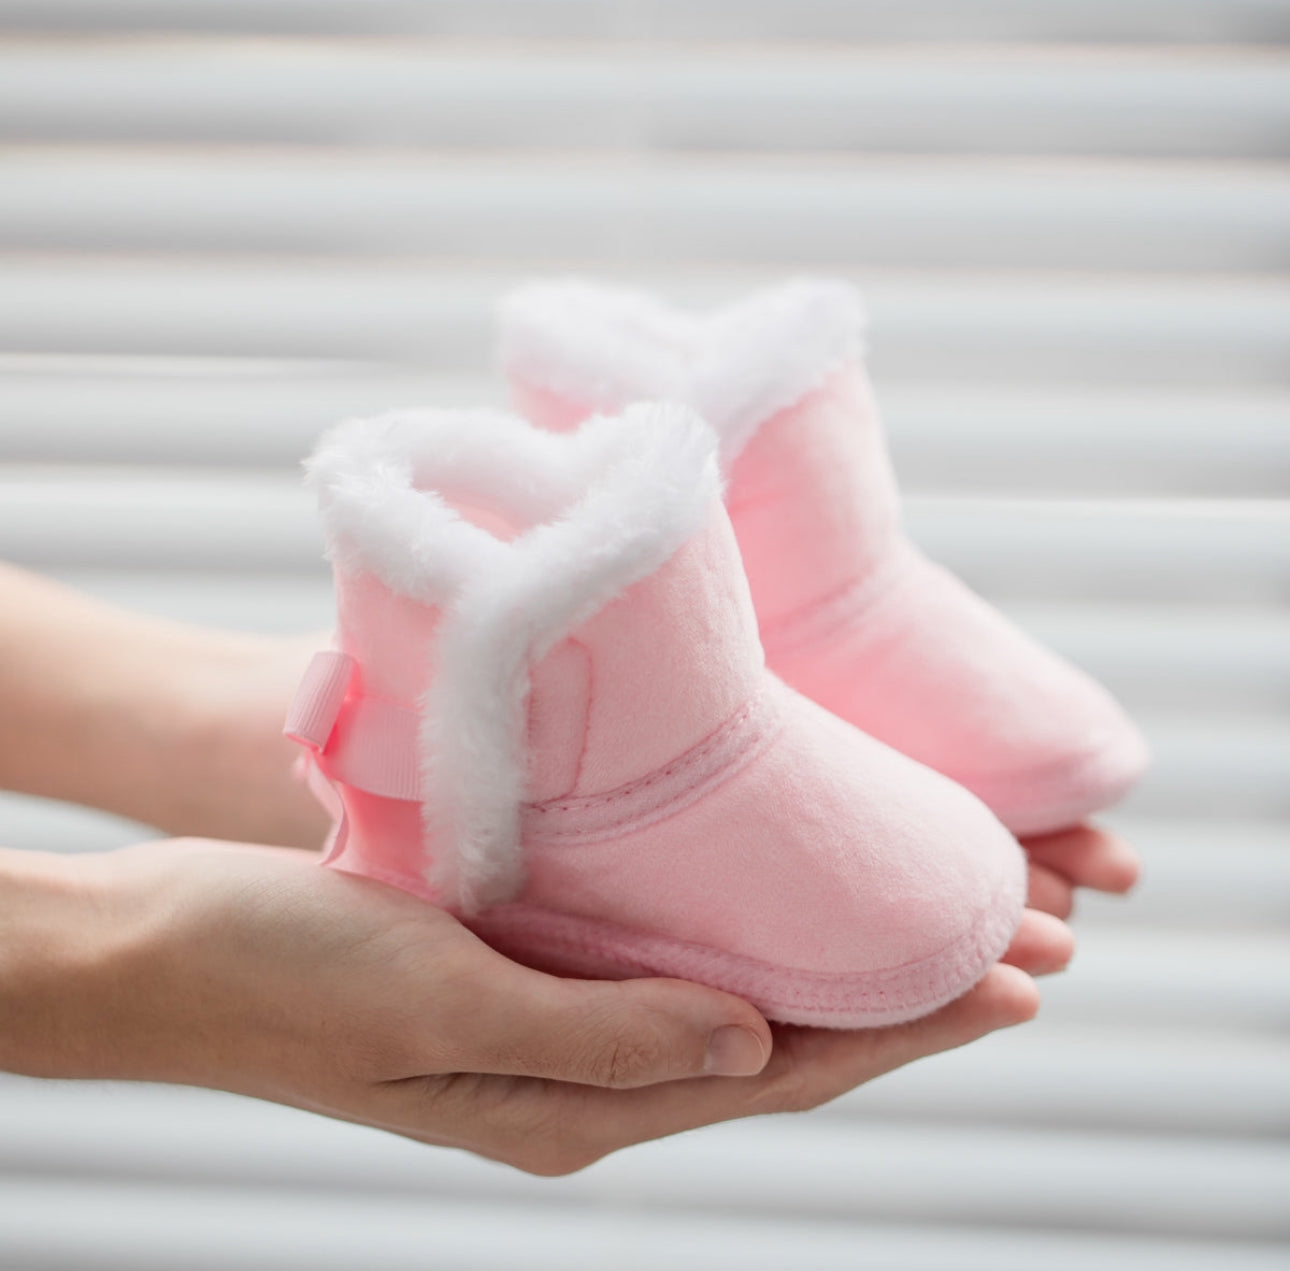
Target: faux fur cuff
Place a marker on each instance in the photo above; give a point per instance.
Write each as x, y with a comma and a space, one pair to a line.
604, 347
585, 515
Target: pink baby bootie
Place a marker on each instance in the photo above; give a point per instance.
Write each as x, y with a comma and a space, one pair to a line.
851, 613
547, 711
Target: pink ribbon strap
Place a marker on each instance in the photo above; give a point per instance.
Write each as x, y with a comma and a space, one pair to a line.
375, 749
365, 742
319, 697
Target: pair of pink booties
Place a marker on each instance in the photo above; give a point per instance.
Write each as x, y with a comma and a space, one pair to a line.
549, 710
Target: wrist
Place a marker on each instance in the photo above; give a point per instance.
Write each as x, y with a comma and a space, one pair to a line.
239, 781
122, 966
98, 974
56, 957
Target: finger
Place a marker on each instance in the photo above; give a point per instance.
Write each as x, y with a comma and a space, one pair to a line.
1050, 892
552, 1128
1088, 857
821, 1064
1005, 997
618, 1034
1042, 944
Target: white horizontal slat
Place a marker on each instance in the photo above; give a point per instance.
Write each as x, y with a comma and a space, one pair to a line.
120, 1228
1199, 875
807, 1166
202, 411
1225, 659
1036, 100
861, 20
1056, 1179
928, 327
1235, 877
1051, 1073
43, 825
998, 438
1215, 766
821, 212
1085, 439
1075, 549
1161, 978
1144, 551
193, 521
1138, 551
275, 603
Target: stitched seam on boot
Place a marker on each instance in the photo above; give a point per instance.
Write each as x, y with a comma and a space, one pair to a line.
822, 619
666, 790
909, 985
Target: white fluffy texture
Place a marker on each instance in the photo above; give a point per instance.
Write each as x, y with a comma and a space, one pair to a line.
598, 510
607, 346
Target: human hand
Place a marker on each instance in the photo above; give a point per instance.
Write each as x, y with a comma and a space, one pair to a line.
1083, 856
253, 970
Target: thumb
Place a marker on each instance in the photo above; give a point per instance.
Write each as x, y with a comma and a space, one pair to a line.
619, 1034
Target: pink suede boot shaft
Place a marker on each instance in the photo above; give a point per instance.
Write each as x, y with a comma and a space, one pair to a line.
548, 711
851, 614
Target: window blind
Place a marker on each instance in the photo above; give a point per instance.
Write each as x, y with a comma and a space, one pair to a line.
225, 225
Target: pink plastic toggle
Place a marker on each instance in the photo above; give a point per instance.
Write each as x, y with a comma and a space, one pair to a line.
316, 705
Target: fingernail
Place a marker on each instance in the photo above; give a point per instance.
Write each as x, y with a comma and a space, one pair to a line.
734, 1051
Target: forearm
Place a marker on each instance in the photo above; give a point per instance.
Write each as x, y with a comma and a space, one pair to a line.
171, 725
92, 711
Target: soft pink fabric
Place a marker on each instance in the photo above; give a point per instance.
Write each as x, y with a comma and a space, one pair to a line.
854, 617
691, 815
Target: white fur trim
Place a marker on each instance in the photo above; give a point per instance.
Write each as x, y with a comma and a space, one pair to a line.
596, 511
605, 347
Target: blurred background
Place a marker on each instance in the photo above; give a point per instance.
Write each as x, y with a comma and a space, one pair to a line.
225, 225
